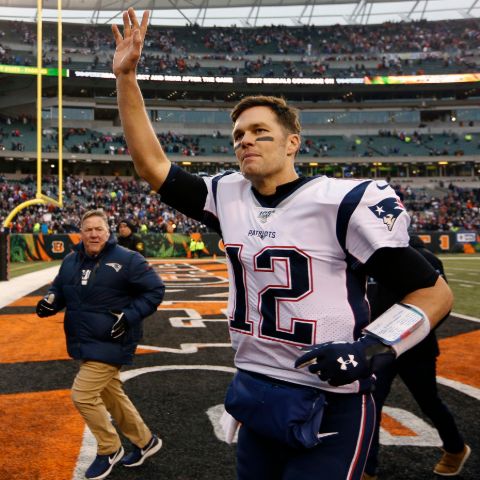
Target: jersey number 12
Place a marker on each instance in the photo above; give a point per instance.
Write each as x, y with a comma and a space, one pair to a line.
297, 285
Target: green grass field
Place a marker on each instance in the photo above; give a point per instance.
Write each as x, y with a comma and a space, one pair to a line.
463, 273
17, 269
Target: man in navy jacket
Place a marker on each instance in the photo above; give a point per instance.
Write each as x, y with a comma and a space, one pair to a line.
107, 291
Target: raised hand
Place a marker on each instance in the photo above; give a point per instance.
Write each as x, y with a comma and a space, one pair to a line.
129, 46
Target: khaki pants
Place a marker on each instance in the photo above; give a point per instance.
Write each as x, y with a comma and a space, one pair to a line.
97, 392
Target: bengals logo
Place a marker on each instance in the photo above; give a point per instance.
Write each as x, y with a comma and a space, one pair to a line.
58, 246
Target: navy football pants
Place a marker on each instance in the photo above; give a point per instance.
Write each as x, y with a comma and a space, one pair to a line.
339, 457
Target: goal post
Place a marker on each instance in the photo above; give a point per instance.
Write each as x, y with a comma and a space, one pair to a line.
40, 197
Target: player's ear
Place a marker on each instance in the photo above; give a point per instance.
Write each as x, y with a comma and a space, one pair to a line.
293, 144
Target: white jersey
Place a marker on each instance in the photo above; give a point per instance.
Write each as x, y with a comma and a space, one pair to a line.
292, 268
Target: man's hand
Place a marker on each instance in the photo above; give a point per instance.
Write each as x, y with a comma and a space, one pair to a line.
45, 306
341, 363
129, 46
120, 326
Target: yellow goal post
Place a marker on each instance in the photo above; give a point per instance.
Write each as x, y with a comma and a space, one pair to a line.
40, 197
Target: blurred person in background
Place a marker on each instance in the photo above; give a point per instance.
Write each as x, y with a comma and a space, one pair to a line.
417, 369
127, 236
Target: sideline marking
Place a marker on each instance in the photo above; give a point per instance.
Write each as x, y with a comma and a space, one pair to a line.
186, 322
463, 281
185, 347
426, 436
461, 387
446, 257
22, 285
465, 317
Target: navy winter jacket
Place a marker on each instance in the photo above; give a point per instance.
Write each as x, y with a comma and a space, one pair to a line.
89, 288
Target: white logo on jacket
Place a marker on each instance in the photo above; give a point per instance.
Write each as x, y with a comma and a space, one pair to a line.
116, 266
85, 276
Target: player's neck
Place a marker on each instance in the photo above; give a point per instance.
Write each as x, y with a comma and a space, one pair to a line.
269, 186
281, 193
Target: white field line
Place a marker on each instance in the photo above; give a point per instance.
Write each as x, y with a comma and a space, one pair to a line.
22, 285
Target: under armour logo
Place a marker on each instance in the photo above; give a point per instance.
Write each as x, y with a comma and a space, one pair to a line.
116, 266
344, 363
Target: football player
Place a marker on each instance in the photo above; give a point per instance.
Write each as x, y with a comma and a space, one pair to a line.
299, 250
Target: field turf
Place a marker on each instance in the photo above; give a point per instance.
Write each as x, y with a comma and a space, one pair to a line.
179, 379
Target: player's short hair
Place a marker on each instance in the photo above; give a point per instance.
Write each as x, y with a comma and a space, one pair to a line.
95, 213
287, 116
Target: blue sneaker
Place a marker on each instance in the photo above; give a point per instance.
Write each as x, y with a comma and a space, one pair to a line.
138, 455
103, 464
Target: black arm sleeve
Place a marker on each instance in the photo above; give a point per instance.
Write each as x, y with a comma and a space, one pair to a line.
401, 270
185, 192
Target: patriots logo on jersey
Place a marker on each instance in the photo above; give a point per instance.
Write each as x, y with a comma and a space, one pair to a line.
388, 210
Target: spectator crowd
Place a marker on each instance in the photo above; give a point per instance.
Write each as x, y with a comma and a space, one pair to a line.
119, 198
457, 209
337, 50
18, 134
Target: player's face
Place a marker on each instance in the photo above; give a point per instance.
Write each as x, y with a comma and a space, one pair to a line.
264, 150
94, 235
124, 230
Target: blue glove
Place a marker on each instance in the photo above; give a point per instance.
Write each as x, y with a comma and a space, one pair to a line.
120, 326
45, 306
341, 363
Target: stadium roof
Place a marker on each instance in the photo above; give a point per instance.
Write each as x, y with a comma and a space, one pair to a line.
247, 12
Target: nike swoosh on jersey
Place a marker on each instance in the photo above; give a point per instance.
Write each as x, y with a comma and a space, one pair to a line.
328, 434
383, 187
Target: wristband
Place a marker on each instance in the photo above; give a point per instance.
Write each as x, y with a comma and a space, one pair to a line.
402, 326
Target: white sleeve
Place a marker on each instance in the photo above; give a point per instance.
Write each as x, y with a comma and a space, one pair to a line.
379, 220
210, 202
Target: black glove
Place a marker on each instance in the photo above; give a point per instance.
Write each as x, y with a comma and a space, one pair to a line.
45, 306
120, 326
341, 363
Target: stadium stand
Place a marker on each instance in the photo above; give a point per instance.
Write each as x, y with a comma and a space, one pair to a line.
445, 209
421, 138
276, 51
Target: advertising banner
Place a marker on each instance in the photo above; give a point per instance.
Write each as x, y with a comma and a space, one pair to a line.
34, 247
